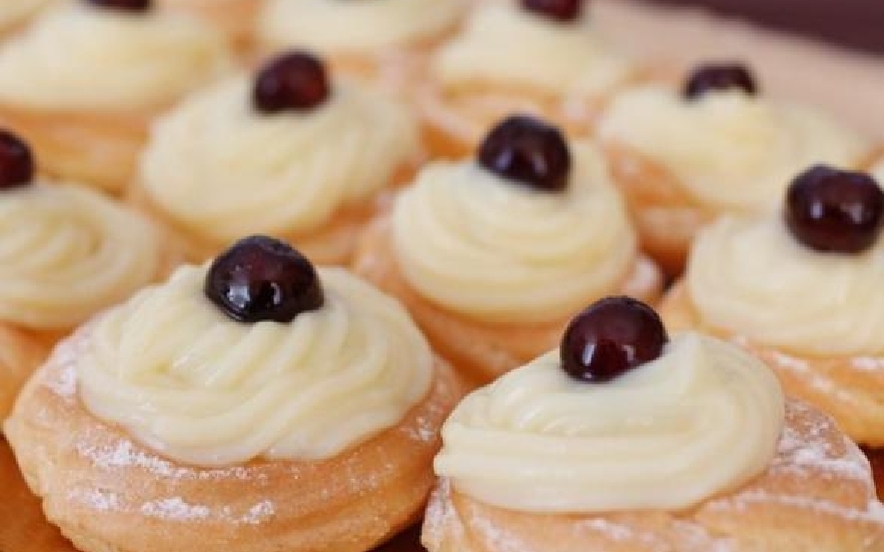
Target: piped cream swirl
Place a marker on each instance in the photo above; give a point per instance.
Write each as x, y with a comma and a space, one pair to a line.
67, 252
729, 150
491, 249
333, 26
203, 389
282, 173
752, 277
505, 45
702, 419
82, 57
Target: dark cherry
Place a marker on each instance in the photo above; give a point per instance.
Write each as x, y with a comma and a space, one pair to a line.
126, 5
296, 81
833, 210
722, 76
16, 161
560, 10
261, 278
527, 151
611, 337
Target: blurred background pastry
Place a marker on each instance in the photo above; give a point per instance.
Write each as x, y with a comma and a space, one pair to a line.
83, 82
290, 151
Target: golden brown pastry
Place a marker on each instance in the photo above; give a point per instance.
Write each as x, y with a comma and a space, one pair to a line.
816, 320
718, 146
384, 41
236, 18
492, 256
623, 440
83, 82
66, 252
255, 404
545, 59
291, 151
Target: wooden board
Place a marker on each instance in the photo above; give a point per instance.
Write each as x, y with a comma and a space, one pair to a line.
24, 529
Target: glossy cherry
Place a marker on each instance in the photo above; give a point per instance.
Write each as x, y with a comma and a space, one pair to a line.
559, 10
610, 338
16, 161
295, 81
527, 151
261, 278
719, 77
833, 210
124, 5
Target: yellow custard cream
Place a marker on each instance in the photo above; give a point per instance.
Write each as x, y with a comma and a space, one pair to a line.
493, 249
67, 252
729, 150
702, 419
504, 45
335, 26
88, 58
818, 303
282, 173
14, 12
203, 389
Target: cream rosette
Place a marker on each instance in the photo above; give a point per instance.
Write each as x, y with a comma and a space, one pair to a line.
816, 303
283, 173
728, 149
505, 45
67, 252
201, 388
88, 58
332, 26
497, 251
702, 419
14, 12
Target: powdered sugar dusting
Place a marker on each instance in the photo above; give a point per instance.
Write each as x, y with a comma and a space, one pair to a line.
65, 383
175, 509
874, 511
868, 364
96, 499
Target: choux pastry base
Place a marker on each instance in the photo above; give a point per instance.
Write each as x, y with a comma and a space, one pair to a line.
844, 387
666, 217
109, 494
21, 353
96, 150
456, 123
479, 351
236, 18
817, 496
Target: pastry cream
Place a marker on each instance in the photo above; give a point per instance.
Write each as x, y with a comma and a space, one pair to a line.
282, 173
333, 26
508, 46
497, 250
203, 389
702, 419
82, 57
729, 150
752, 277
13, 12
67, 252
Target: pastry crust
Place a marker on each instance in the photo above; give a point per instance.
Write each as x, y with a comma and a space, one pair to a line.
816, 496
666, 217
479, 351
236, 18
97, 485
20, 354
851, 389
98, 150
